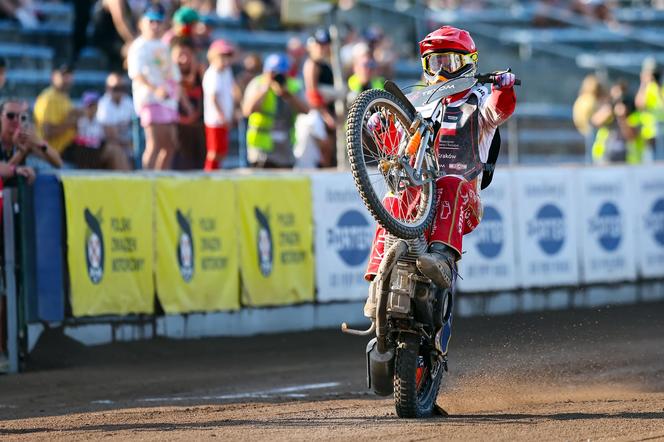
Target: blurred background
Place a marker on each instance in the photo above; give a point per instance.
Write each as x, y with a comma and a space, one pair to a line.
566, 52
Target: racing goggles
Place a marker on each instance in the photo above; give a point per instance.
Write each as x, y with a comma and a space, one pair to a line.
447, 62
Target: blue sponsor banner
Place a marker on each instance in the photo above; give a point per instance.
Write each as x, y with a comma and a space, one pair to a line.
49, 248
489, 261
546, 227
342, 239
650, 220
606, 226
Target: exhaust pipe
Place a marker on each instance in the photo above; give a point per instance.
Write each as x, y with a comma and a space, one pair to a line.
382, 283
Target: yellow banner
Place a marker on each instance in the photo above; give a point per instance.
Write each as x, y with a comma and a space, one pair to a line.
276, 260
197, 262
110, 244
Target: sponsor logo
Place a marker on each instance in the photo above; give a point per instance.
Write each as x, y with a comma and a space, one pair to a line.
185, 249
351, 237
94, 246
457, 166
264, 243
655, 221
548, 228
607, 226
490, 233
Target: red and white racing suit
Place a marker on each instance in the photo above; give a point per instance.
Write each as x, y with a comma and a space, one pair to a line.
469, 124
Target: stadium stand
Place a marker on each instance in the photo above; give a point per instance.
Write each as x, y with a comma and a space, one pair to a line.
551, 59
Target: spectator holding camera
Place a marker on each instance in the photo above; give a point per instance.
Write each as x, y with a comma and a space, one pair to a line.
19, 143
271, 104
618, 138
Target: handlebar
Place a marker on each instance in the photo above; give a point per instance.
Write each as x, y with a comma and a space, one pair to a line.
491, 78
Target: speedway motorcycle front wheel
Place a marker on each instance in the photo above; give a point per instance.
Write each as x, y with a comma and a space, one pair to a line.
377, 133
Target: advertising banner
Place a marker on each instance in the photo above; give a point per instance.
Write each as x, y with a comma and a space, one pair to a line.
545, 200
110, 244
276, 240
343, 233
650, 223
606, 225
197, 267
489, 262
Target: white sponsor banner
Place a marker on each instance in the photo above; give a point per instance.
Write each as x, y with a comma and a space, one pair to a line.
343, 230
489, 261
606, 225
649, 200
546, 226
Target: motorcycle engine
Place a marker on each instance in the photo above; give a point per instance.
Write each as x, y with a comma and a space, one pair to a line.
412, 295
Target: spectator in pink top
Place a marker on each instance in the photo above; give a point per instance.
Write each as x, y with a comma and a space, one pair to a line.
155, 84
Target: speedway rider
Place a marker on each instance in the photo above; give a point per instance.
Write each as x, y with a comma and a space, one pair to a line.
462, 142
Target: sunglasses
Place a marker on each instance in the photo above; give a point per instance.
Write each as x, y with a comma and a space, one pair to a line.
11, 116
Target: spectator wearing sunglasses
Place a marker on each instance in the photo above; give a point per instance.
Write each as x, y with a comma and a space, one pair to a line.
18, 142
115, 112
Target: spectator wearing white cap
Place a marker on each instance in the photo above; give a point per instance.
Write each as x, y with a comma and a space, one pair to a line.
271, 103
219, 95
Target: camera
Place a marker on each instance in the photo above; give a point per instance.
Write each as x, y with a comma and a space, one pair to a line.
280, 78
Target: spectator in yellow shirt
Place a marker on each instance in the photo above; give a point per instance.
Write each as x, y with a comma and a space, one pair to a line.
55, 115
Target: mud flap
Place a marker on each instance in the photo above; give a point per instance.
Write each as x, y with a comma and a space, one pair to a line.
380, 370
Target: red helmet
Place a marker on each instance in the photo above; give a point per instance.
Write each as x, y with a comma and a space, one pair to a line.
448, 53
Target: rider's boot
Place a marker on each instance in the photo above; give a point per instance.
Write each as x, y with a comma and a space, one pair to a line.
437, 264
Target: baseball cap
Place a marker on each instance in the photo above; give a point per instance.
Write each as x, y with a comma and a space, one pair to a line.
89, 98
185, 16
154, 12
277, 63
321, 36
64, 68
221, 47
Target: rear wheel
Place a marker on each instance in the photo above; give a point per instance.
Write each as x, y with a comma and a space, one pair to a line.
415, 387
377, 130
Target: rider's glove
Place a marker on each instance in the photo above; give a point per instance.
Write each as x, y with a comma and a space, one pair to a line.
504, 80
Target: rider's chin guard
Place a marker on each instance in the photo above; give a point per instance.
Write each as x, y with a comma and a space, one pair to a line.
380, 370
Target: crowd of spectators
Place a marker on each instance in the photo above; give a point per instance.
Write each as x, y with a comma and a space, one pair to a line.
621, 124
185, 93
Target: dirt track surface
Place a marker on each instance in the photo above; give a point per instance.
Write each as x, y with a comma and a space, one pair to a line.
593, 374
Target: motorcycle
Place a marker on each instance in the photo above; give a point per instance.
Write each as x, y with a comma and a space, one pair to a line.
390, 141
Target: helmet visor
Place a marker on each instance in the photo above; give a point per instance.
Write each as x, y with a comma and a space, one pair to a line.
448, 62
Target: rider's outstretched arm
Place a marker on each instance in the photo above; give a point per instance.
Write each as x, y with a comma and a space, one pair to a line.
500, 105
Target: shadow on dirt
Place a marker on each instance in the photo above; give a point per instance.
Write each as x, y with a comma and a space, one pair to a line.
498, 418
